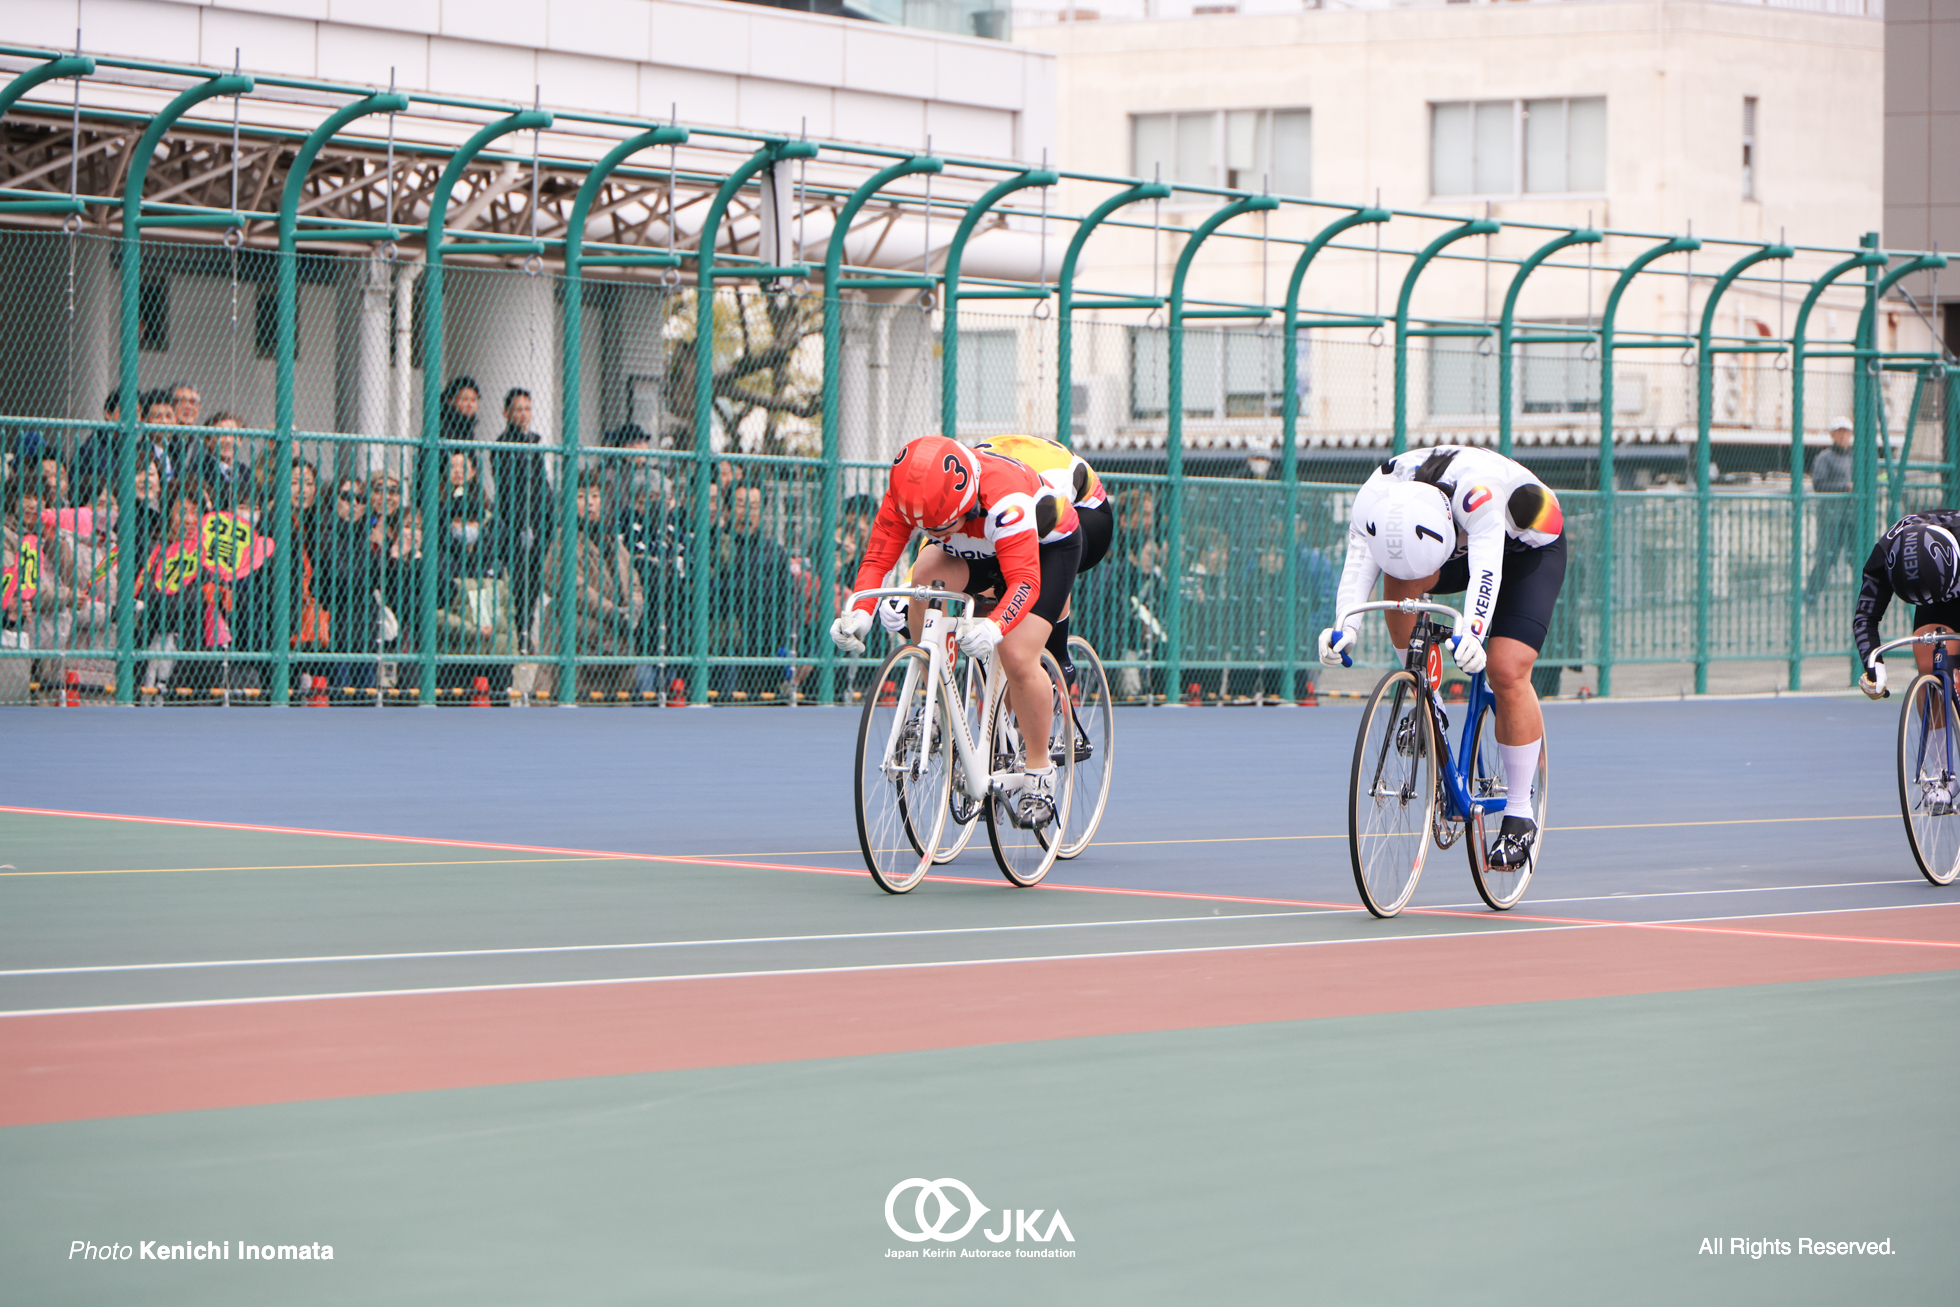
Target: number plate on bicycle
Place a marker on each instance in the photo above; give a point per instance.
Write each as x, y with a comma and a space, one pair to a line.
1434, 670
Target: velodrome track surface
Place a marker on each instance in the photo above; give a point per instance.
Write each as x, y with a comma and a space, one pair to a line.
691, 1073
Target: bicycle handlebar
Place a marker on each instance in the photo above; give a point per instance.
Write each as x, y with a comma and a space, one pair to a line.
912, 592
1935, 637
1402, 606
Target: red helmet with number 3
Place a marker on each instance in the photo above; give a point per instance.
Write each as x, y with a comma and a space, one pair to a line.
934, 483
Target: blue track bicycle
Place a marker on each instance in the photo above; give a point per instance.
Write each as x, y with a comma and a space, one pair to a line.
1407, 790
1928, 776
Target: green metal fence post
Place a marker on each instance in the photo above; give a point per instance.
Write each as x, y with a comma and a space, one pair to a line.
1065, 302
1506, 326
428, 480
1870, 424
949, 292
1950, 432
1174, 438
1704, 401
1480, 227
1798, 333
129, 419
287, 306
569, 369
1289, 434
1609, 486
772, 152
833, 370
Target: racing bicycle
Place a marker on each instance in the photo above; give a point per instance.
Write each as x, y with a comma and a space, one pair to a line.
926, 754
1407, 790
1927, 771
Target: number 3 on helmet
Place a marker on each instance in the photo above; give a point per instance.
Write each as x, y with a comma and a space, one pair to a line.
934, 482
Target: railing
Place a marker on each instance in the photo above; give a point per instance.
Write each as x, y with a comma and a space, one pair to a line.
379, 523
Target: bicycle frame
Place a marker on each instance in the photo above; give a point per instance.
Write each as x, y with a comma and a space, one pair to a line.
936, 640
1942, 669
1426, 645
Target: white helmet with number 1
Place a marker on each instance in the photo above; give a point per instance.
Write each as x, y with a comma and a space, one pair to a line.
1408, 526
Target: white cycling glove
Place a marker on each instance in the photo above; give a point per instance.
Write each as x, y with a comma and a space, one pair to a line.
894, 612
1873, 681
1468, 652
979, 635
1337, 647
849, 630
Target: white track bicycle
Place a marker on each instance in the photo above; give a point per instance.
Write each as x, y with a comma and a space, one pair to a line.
928, 755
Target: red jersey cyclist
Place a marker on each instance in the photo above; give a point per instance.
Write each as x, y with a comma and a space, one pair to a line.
991, 523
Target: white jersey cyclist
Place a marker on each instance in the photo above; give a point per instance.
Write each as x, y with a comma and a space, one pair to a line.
1495, 506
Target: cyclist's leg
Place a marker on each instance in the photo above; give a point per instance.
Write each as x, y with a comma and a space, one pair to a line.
1028, 686
1097, 528
1927, 619
1525, 600
934, 564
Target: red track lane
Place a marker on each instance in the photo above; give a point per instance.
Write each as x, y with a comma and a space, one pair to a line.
80, 1066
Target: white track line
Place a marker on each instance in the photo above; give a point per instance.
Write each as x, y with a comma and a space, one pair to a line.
1530, 926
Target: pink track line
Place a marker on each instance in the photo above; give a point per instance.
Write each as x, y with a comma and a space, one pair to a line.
640, 857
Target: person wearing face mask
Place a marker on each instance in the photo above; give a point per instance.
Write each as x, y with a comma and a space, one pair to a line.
476, 615
656, 538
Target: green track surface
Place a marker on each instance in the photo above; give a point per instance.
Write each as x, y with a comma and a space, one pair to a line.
1560, 1152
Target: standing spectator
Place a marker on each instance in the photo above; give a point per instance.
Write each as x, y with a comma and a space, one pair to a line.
225, 475
159, 411
95, 461
656, 538
1830, 474
460, 399
608, 597
523, 507
188, 404
752, 592
476, 615
465, 520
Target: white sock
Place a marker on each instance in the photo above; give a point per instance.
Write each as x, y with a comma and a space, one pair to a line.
1520, 770
1401, 654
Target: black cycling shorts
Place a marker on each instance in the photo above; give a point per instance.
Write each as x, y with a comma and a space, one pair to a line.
1098, 528
1059, 564
1944, 613
1527, 591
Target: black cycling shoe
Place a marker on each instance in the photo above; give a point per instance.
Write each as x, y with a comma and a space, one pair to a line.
1512, 847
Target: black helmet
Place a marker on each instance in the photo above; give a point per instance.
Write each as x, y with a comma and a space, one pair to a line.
1923, 563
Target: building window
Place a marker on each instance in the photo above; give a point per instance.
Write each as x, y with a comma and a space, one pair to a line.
1234, 149
1547, 378
1227, 373
153, 315
989, 379
1748, 147
1518, 147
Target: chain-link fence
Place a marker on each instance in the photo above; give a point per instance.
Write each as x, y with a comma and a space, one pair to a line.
447, 540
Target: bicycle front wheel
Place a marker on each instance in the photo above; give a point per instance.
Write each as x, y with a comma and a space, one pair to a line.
1094, 732
1024, 849
963, 814
902, 773
1927, 780
1392, 793
1500, 887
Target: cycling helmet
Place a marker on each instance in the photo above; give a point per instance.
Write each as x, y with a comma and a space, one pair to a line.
1408, 527
1923, 563
934, 482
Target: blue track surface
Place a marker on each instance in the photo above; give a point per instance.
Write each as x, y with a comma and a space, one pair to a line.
1215, 801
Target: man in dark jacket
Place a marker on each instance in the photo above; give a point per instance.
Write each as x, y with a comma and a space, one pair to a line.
524, 508
1830, 474
752, 615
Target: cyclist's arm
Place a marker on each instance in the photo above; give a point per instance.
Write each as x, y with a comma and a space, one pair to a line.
1019, 551
1482, 518
889, 536
1874, 597
1358, 577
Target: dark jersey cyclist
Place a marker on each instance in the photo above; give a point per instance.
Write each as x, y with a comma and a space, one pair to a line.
1918, 560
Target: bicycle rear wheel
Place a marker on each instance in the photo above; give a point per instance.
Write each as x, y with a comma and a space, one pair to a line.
1500, 887
1391, 793
902, 773
1926, 753
1025, 853
1094, 733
